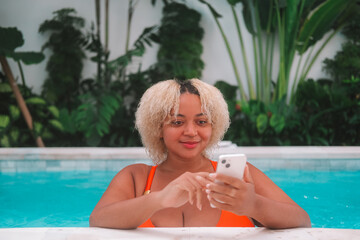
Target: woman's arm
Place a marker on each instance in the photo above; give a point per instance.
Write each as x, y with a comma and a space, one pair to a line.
258, 197
120, 208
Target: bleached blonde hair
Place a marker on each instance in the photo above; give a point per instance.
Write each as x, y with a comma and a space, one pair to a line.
163, 97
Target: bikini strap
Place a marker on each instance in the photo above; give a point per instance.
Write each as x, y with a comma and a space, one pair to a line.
149, 180
214, 164
152, 173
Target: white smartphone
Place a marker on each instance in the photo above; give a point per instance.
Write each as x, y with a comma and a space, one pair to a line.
232, 165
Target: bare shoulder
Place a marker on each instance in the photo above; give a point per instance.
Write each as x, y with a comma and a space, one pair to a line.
134, 175
127, 183
255, 172
135, 171
266, 187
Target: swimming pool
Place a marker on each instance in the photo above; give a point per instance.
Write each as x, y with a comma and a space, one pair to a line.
66, 198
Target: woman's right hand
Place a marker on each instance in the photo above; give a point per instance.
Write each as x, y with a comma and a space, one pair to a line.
182, 190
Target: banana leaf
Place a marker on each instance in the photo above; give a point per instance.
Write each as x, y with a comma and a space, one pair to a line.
321, 21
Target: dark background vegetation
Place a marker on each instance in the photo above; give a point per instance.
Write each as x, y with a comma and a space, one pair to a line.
99, 111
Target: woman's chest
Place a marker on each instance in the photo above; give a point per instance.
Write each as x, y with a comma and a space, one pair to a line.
187, 216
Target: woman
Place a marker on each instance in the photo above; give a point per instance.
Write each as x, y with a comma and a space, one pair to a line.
179, 123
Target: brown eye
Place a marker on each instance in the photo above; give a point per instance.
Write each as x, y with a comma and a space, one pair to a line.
176, 123
202, 122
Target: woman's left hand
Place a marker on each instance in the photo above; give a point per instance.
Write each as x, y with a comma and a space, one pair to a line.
234, 195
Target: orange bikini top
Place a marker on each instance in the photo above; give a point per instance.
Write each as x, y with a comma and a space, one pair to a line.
227, 219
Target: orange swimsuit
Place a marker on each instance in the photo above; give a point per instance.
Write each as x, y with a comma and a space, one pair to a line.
227, 219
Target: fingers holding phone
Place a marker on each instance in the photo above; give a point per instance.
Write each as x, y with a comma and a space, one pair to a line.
232, 189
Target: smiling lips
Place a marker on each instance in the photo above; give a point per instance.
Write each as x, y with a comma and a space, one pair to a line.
190, 144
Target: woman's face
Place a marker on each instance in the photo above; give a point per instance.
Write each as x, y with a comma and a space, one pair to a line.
187, 134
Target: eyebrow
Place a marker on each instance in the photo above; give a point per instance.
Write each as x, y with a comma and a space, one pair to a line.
197, 115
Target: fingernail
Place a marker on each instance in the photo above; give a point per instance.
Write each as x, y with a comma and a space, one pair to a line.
208, 185
207, 191
208, 196
212, 175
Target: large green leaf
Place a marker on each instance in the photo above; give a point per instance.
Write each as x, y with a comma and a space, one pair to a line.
277, 122
10, 38
229, 91
4, 141
292, 18
267, 14
56, 124
4, 121
322, 20
5, 88
35, 100
261, 123
28, 57
54, 111
248, 15
14, 112
212, 10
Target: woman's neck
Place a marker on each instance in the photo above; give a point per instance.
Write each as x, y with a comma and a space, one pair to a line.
174, 164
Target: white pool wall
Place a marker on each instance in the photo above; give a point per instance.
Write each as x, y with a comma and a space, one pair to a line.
58, 159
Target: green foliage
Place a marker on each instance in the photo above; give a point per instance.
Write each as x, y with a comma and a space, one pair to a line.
296, 25
92, 118
179, 36
322, 114
255, 123
346, 63
102, 96
328, 116
10, 39
13, 130
66, 42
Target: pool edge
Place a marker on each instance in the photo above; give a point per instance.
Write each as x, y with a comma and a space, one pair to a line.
177, 233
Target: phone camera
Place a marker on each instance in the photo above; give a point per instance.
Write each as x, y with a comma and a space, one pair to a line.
223, 161
227, 165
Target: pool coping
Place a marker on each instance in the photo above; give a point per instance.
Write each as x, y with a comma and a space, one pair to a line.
303, 152
177, 233
88, 159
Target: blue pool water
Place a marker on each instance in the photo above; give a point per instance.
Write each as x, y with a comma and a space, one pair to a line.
66, 199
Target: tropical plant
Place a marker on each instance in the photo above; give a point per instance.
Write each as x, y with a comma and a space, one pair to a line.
256, 123
298, 26
10, 39
13, 129
323, 113
179, 37
66, 42
329, 116
105, 113
346, 64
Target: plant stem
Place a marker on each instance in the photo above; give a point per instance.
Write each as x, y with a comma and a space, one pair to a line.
21, 73
243, 51
279, 91
271, 60
97, 14
258, 92
106, 26
20, 100
130, 14
295, 83
263, 73
309, 66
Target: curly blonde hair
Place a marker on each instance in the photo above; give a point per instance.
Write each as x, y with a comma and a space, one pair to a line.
160, 99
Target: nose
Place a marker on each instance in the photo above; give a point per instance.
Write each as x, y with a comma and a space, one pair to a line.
190, 129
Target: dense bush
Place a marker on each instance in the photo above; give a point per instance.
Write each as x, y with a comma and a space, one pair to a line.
322, 114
